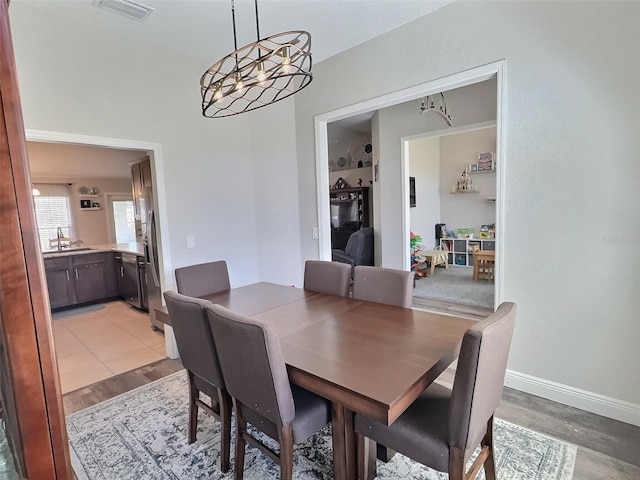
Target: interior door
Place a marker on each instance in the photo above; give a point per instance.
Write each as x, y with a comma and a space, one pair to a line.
30, 389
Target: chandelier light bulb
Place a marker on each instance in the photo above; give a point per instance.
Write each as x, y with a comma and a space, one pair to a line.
286, 61
262, 76
239, 83
217, 96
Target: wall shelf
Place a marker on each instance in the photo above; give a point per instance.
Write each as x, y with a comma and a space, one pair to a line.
90, 208
86, 195
464, 191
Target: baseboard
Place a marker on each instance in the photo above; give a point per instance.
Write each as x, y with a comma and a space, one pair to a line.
591, 402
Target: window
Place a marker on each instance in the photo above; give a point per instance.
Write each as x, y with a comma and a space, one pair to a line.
53, 212
124, 221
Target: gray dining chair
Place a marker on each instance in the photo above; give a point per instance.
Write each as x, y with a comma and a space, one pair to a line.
203, 279
199, 357
256, 377
327, 277
383, 285
443, 427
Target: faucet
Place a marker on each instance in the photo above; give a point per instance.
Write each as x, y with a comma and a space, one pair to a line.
60, 237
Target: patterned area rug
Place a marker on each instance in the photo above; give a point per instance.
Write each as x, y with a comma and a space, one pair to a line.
142, 435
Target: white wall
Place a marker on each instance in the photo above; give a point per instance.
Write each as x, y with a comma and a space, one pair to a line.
571, 113
97, 85
467, 210
424, 165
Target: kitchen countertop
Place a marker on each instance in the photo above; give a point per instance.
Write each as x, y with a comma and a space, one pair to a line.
136, 248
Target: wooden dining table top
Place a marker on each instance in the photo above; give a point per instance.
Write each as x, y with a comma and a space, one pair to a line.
374, 358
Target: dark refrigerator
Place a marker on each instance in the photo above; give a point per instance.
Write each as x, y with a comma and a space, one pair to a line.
150, 273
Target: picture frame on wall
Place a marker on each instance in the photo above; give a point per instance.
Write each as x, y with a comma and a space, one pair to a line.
412, 191
85, 203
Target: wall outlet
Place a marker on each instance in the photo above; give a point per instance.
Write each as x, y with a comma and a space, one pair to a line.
191, 241
314, 232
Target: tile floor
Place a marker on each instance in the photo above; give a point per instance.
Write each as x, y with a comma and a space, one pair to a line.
94, 346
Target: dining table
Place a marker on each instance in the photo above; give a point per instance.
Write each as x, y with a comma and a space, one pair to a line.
363, 357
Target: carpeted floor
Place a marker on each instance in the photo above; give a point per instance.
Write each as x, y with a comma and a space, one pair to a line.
142, 435
455, 285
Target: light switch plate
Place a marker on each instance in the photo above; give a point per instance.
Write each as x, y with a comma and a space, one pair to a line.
314, 232
191, 241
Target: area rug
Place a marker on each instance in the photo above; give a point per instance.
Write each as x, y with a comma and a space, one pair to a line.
77, 311
142, 435
455, 285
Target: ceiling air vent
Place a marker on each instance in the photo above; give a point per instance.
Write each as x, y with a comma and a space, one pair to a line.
131, 9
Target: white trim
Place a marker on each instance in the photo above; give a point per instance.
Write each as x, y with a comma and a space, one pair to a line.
157, 171
591, 402
462, 79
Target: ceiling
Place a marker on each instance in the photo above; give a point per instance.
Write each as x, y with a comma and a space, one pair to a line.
203, 28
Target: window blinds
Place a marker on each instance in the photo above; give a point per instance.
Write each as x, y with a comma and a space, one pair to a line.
53, 211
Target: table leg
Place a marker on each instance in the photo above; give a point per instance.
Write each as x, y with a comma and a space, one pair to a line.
344, 443
338, 441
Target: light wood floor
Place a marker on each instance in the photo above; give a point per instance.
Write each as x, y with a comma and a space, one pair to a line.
607, 449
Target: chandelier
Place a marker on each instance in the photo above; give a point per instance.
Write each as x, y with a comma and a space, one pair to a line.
436, 103
258, 74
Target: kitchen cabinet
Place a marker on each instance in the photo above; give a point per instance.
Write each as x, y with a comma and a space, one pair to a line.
94, 277
58, 273
80, 279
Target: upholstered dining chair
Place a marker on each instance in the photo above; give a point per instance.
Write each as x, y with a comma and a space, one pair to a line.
199, 357
327, 277
383, 285
256, 378
443, 427
203, 279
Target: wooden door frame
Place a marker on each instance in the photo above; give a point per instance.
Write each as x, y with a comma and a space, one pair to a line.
24, 302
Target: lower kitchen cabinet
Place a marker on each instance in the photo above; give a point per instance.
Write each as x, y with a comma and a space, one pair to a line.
59, 276
80, 279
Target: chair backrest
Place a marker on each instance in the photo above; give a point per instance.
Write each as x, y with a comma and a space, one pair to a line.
383, 285
193, 337
327, 277
252, 364
360, 246
203, 279
479, 379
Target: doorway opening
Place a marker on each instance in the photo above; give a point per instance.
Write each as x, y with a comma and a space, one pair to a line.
390, 187
451, 228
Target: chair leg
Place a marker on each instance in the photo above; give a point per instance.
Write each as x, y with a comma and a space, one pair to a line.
490, 462
193, 409
456, 464
286, 452
241, 427
224, 401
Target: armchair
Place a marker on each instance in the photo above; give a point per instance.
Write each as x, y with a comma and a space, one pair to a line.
358, 251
